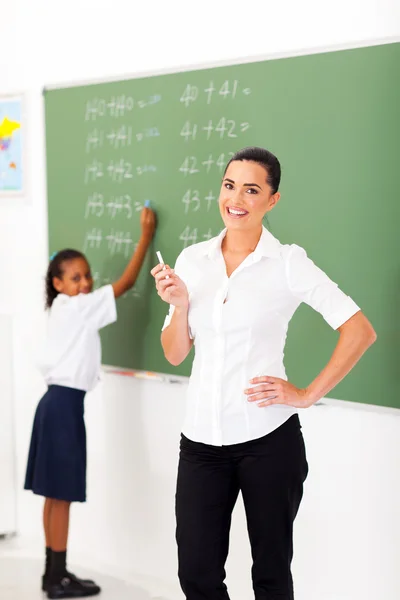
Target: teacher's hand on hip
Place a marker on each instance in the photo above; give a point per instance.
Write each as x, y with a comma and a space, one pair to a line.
273, 390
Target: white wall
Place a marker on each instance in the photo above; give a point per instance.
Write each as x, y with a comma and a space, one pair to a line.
8, 522
348, 528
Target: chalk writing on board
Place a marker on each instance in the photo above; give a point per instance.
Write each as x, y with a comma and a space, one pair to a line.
118, 242
219, 162
149, 101
189, 131
190, 94
120, 137
123, 204
120, 204
93, 171
192, 164
97, 206
94, 140
132, 293
191, 236
93, 239
224, 128
151, 132
117, 138
208, 235
146, 169
100, 280
193, 202
227, 89
191, 197
117, 106
189, 166
118, 170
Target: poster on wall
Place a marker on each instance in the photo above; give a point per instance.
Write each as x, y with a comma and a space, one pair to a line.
11, 145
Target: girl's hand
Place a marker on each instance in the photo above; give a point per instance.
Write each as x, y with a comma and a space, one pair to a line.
148, 223
170, 287
273, 390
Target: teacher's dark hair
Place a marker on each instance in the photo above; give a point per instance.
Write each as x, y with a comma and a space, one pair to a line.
266, 159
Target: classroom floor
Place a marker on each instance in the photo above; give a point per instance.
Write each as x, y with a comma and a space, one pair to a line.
20, 579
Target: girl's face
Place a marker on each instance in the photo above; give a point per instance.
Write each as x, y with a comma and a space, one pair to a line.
245, 196
76, 278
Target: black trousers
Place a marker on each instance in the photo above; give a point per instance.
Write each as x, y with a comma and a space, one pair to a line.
270, 473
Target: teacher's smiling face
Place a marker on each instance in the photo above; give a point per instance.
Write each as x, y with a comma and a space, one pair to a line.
245, 195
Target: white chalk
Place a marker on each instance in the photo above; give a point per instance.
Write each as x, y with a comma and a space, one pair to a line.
161, 260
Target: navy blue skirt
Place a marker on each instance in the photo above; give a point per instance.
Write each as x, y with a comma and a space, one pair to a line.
57, 454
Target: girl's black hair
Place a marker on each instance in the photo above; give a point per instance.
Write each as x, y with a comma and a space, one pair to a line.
55, 269
266, 159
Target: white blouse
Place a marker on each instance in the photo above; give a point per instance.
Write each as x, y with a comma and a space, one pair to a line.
72, 351
239, 326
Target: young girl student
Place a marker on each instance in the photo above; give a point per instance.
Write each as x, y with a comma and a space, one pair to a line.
70, 364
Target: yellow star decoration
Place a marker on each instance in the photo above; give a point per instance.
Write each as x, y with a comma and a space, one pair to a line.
8, 127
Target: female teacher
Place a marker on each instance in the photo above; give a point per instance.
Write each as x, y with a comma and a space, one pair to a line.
233, 297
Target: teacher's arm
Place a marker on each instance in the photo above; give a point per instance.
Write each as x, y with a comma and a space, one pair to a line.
355, 337
311, 285
175, 338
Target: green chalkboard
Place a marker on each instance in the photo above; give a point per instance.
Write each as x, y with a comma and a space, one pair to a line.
333, 120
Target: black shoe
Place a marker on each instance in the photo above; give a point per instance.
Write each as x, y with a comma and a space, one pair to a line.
46, 580
71, 587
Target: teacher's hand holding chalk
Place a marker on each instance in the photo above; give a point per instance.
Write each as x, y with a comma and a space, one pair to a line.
160, 258
169, 286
